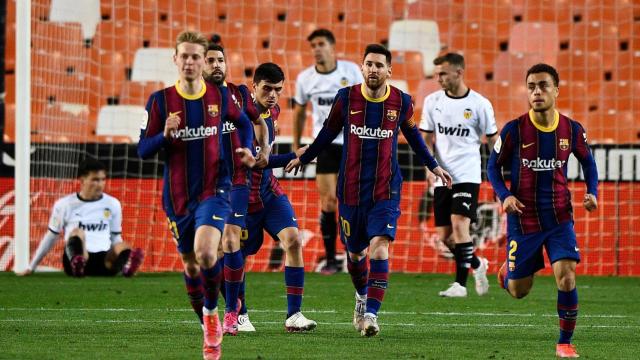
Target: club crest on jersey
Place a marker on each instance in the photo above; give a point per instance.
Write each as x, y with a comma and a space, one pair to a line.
107, 213
467, 114
344, 82
564, 144
212, 110
392, 115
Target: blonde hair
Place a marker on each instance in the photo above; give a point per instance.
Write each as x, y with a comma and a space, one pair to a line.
193, 37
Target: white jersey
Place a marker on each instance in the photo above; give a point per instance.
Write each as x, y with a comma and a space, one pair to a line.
459, 124
99, 219
321, 89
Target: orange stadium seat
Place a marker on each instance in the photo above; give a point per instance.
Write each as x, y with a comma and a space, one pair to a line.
573, 99
110, 70
110, 37
545, 10
512, 68
477, 66
137, 93
424, 88
416, 35
594, 36
617, 96
289, 37
9, 122
474, 38
10, 88
535, 37
407, 65
579, 66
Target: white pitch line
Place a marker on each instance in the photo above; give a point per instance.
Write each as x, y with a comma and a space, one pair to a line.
349, 324
316, 311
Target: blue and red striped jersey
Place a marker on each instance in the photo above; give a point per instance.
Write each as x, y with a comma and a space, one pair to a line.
263, 183
195, 166
369, 170
239, 173
537, 159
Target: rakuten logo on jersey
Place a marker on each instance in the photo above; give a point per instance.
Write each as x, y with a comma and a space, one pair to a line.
364, 132
188, 134
228, 127
543, 164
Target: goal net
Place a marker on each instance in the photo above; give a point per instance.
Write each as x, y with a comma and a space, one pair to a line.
94, 64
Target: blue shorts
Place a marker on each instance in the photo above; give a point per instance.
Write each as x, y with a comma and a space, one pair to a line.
276, 215
239, 204
524, 252
359, 224
212, 211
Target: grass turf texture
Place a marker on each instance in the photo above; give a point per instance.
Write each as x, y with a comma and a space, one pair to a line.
51, 316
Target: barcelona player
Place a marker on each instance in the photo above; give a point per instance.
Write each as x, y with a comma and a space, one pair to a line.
535, 147
215, 72
269, 207
186, 121
369, 116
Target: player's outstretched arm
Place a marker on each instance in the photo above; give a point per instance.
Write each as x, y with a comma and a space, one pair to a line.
45, 246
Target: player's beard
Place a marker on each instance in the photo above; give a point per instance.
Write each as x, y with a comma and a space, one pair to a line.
375, 83
215, 78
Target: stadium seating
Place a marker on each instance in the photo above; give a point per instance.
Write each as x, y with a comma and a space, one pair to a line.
85, 12
416, 35
535, 38
121, 120
154, 64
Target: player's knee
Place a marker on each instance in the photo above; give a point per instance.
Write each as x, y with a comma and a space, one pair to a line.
567, 282
291, 243
329, 203
519, 292
206, 259
192, 269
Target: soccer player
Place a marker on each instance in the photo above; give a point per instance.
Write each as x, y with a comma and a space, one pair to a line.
186, 121
319, 84
369, 181
269, 207
535, 147
92, 225
455, 119
215, 72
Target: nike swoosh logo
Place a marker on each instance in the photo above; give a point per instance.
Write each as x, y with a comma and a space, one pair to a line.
524, 146
237, 215
294, 219
355, 112
577, 250
174, 113
217, 218
389, 226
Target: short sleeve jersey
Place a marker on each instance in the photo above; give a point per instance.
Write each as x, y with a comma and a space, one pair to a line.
458, 124
321, 89
98, 218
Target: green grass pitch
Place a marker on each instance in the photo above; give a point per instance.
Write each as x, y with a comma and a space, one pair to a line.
51, 316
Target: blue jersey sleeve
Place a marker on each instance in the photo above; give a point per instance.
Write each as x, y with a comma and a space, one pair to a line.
280, 160
152, 130
500, 156
583, 154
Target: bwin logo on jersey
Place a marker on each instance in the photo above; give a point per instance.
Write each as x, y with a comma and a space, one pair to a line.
543, 164
188, 134
93, 227
364, 132
228, 127
325, 101
456, 131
